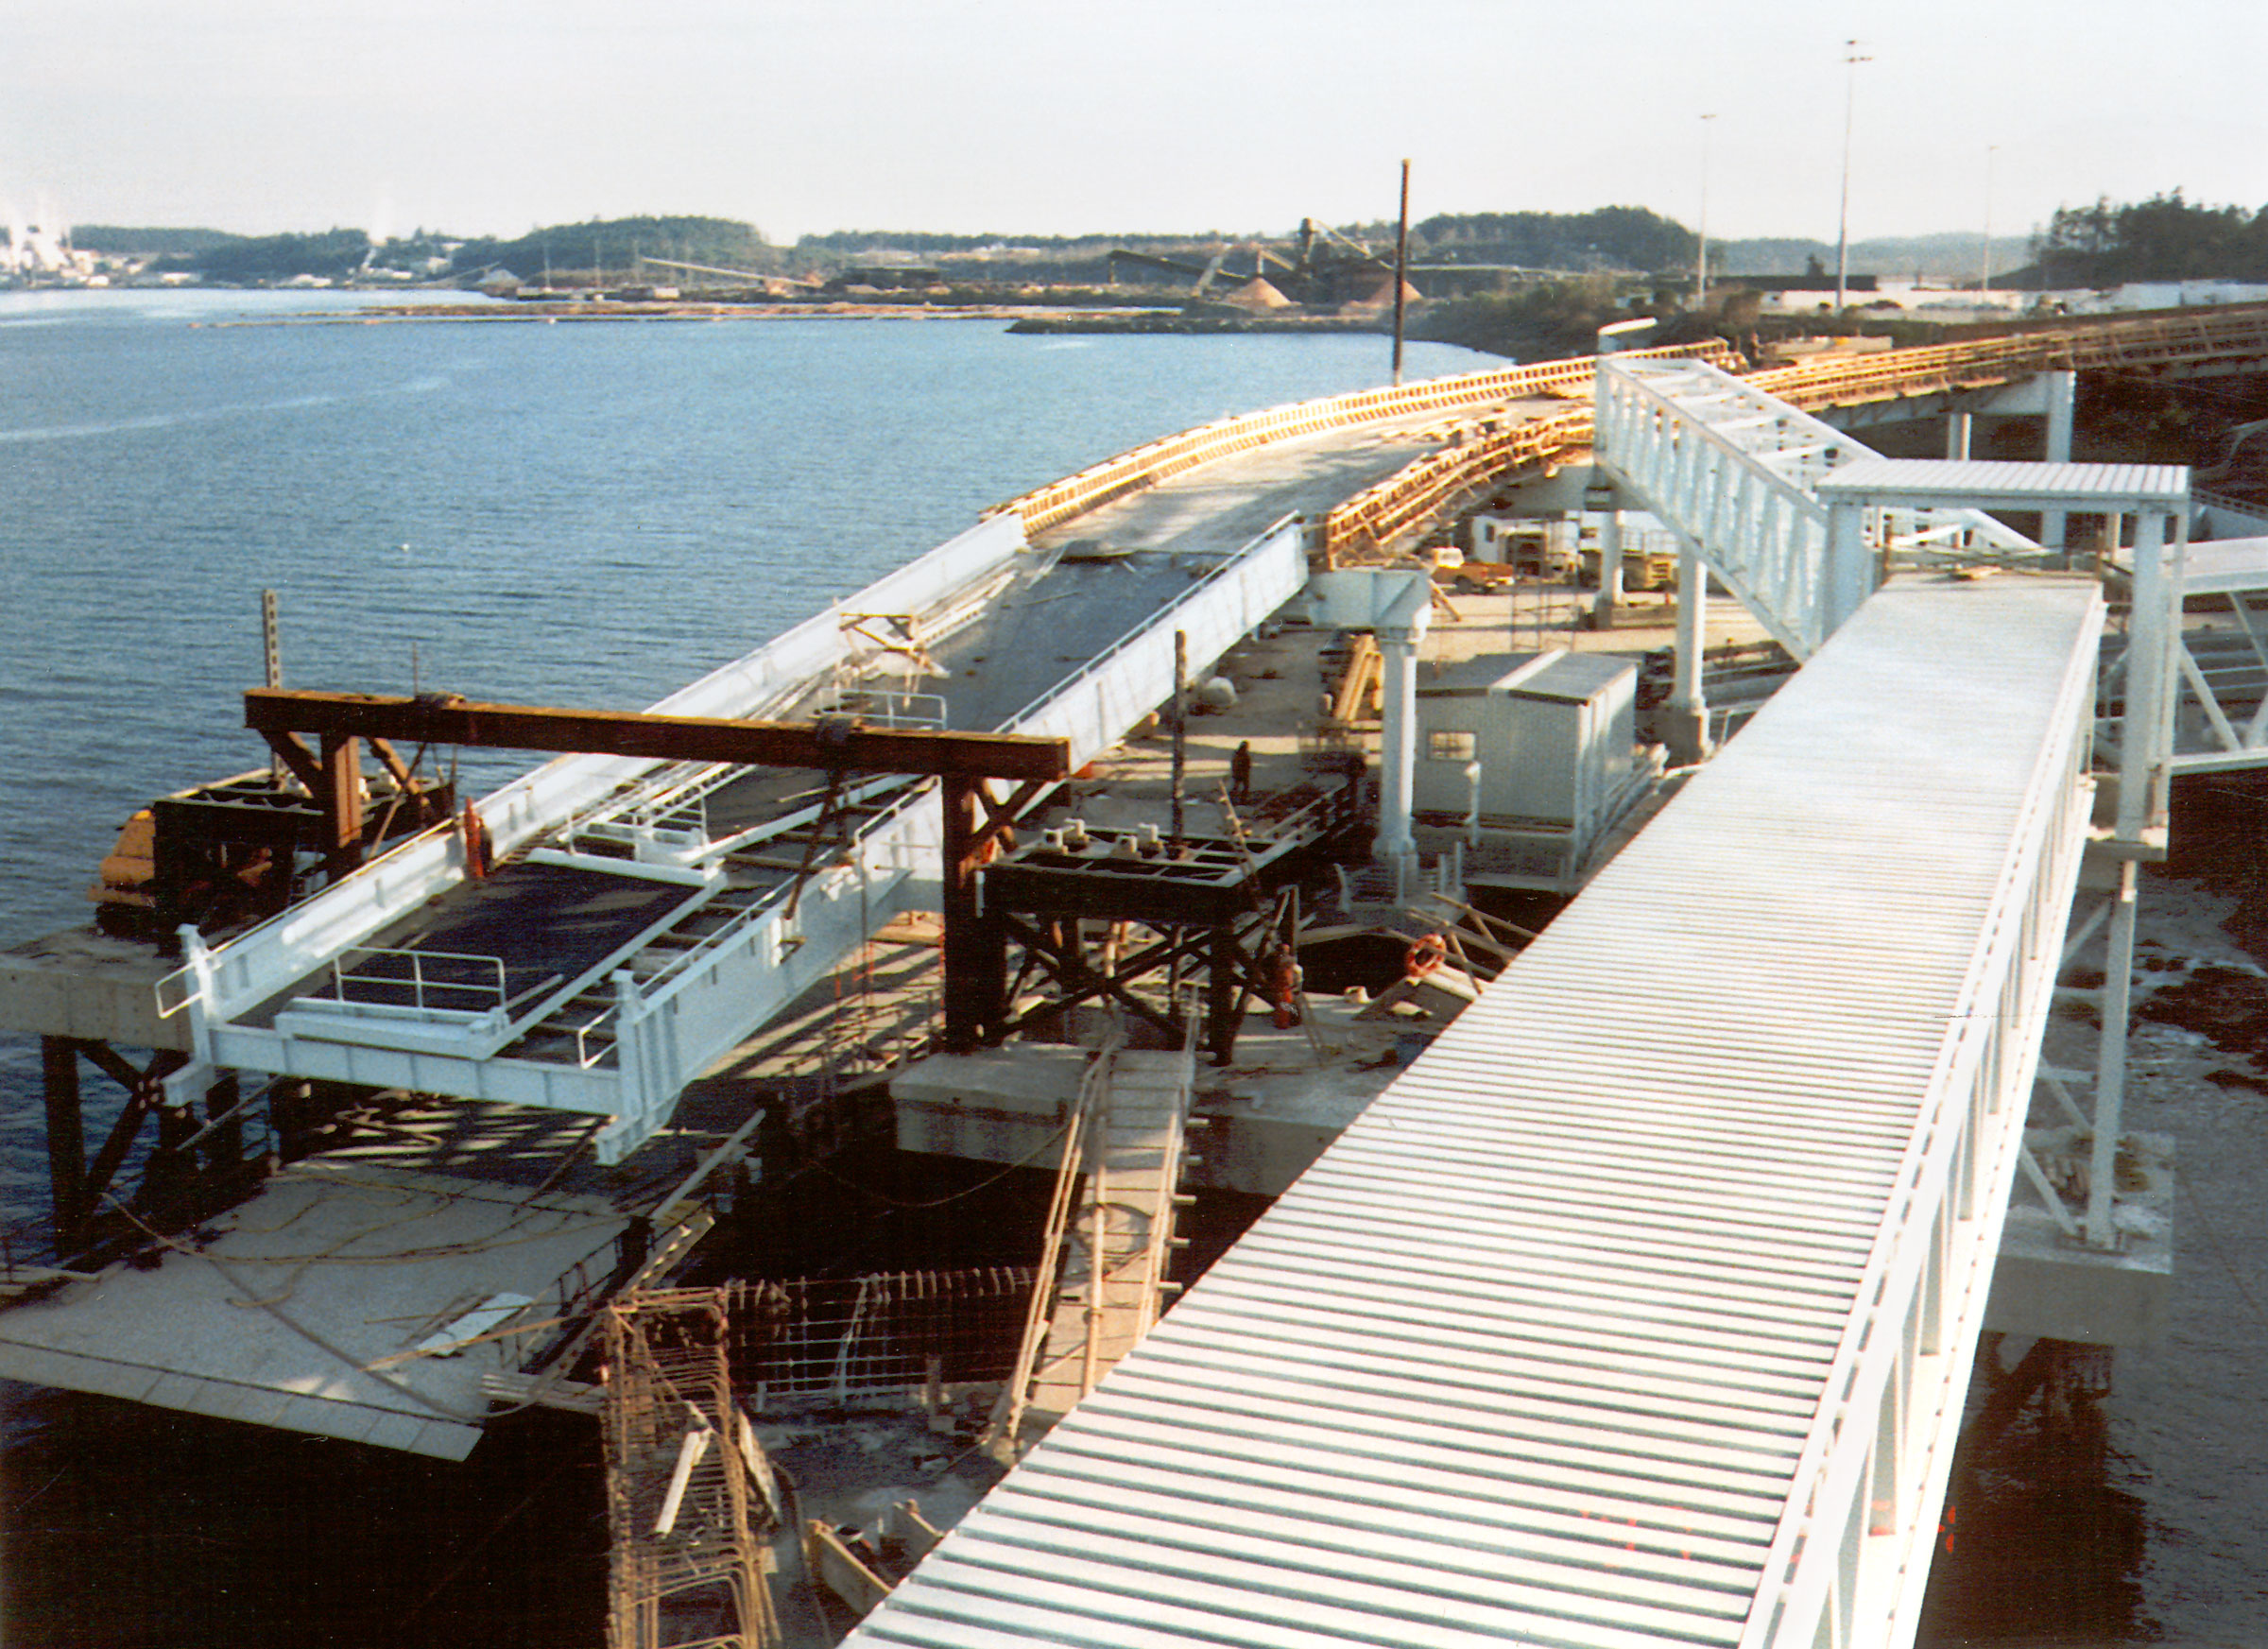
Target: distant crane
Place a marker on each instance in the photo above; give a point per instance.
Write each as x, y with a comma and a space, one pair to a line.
1326, 268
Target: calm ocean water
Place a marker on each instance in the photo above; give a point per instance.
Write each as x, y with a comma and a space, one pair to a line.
595, 514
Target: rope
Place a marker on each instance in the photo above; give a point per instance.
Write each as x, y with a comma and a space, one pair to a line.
1053, 1134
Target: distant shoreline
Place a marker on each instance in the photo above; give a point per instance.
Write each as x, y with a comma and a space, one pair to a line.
1024, 317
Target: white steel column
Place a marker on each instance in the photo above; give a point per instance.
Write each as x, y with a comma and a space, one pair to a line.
2146, 730
2110, 1062
1398, 745
2061, 390
1609, 597
1958, 429
1689, 710
1848, 578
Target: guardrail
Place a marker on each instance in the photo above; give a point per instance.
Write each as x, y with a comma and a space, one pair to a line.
1851, 1546
1135, 674
2204, 335
1375, 517
1158, 461
419, 980
1414, 493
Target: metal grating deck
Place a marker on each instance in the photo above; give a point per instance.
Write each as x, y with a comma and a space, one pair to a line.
1530, 1354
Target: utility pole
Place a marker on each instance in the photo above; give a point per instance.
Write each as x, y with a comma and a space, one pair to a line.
1701, 260
1852, 59
1985, 279
1401, 263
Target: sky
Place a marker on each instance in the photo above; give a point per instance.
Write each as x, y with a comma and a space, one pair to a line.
1065, 117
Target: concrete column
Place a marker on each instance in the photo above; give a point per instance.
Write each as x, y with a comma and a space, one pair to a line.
1397, 744
2061, 390
1957, 431
1609, 596
1687, 730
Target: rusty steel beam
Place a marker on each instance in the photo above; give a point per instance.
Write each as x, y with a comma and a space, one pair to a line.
826, 744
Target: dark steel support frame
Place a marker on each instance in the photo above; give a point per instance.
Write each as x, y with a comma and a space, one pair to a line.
77, 1185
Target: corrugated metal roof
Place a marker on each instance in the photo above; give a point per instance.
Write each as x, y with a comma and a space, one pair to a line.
1983, 483
1557, 674
1531, 1351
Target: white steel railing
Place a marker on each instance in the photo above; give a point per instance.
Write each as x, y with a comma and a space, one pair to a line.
890, 707
224, 981
1135, 674
1848, 1560
406, 978
1731, 469
671, 1025
2220, 688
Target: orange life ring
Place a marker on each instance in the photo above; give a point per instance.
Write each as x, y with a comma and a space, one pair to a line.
1424, 956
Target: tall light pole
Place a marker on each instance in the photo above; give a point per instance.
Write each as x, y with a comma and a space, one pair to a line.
1701, 259
1401, 266
1985, 279
1852, 58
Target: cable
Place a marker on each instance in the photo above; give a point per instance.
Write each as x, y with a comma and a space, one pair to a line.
304, 1332
1026, 1161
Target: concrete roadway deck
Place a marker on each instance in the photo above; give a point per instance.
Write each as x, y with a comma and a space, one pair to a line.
1051, 623
1219, 507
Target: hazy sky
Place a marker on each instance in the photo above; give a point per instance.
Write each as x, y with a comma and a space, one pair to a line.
1057, 116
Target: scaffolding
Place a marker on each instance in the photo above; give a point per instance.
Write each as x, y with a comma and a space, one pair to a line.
690, 1496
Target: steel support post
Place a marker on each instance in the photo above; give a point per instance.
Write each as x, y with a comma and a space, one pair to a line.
1849, 576
2145, 728
974, 948
341, 796
1688, 733
1610, 570
1398, 744
1957, 436
1222, 989
224, 1128
66, 1134
2061, 390
2110, 1062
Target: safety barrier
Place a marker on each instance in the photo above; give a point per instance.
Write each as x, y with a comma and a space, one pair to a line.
1851, 1555
1159, 461
1938, 367
1414, 495
1373, 518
